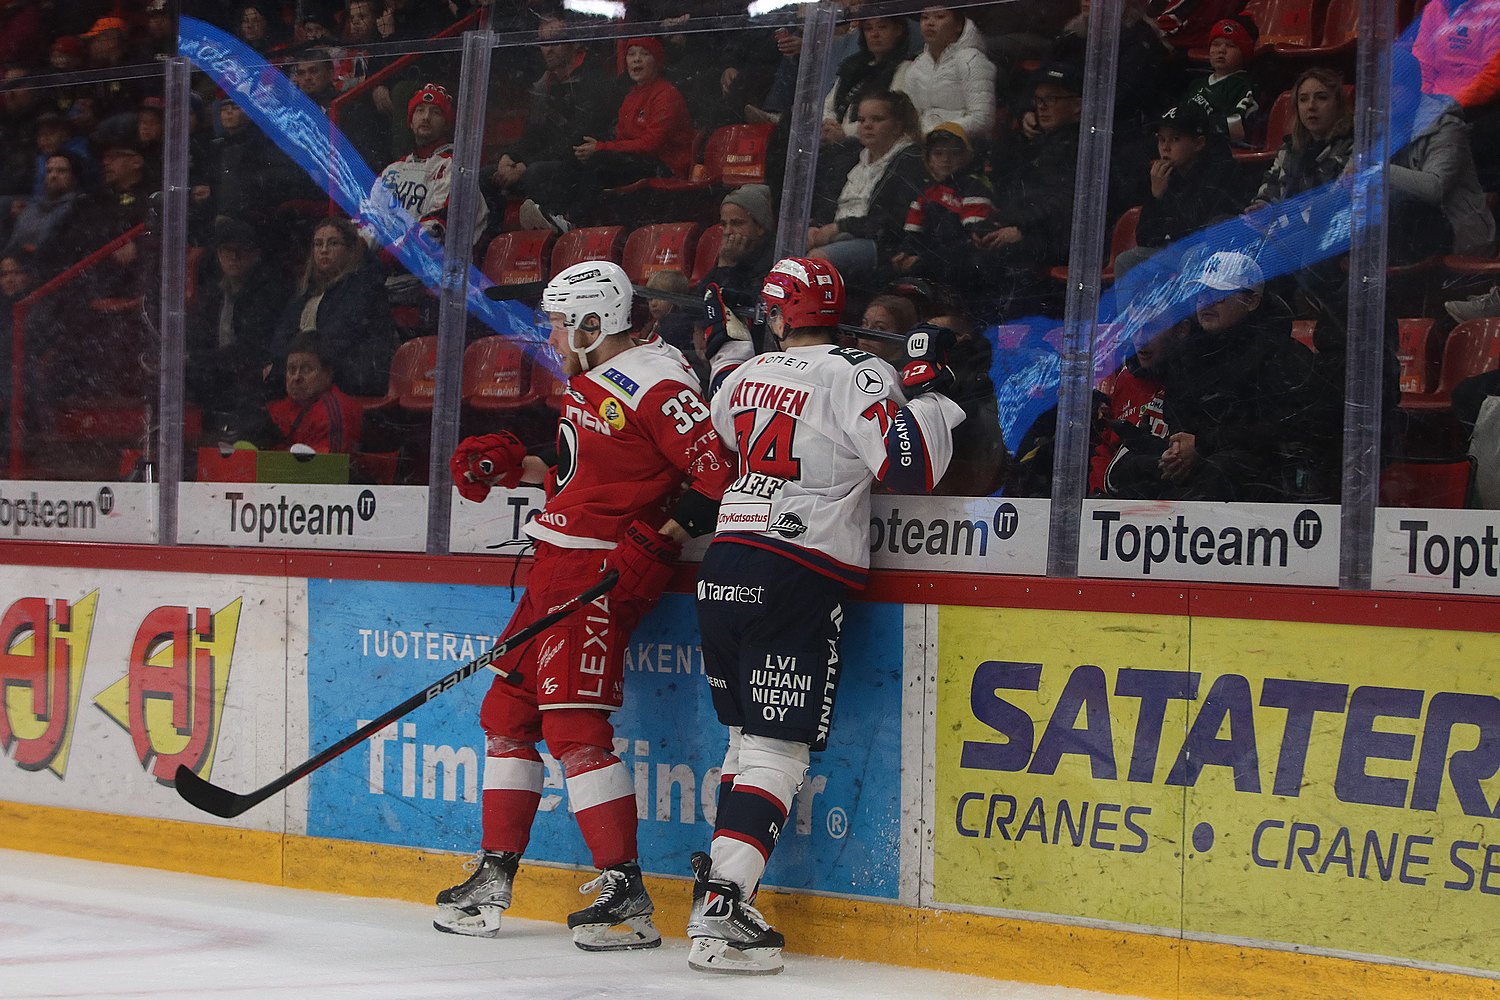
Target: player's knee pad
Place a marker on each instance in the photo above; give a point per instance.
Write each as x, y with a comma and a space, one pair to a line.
775, 766
581, 739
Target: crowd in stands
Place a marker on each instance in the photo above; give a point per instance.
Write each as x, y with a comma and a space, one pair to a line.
945, 187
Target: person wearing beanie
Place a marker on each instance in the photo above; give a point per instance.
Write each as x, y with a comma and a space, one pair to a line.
1187, 24
952, 208
415, 188
1227, 96
747, 252
653, 138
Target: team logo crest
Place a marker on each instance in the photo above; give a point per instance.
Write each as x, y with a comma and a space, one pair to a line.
613, 412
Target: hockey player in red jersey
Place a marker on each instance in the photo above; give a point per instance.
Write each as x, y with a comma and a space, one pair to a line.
815, 424
634, 430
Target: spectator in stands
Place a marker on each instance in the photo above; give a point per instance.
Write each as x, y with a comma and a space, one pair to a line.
120, 204
573, 97
882, 48
107, 43
1141, 77
315, 412
249, 175
411, 20
1031, 227
667, 321
1458, 45
941, 221
161, 31
53, 136
1436, 204
18, 117
1019, 34
653, 137
359, 23
952, 80
860, 228
45, 218
1192, 183
1237, 398
341, 300
258, 25
313, 75
1133, 427
1227, 94
1321, 145
981, 460
748, 248
888, 314
230, 328
414, 190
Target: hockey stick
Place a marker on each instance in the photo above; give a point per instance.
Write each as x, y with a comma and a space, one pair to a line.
221, 802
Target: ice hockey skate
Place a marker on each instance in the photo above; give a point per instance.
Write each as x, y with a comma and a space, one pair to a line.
473, 908
620, 918
728, 934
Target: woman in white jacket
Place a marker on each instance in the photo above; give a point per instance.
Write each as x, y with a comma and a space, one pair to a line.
952, 80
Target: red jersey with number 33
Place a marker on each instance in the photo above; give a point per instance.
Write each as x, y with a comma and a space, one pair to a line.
633, 432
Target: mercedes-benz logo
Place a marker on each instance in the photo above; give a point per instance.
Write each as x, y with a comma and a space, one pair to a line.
869, 382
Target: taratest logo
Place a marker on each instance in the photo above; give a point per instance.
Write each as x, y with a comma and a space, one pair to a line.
41, 675
171, 700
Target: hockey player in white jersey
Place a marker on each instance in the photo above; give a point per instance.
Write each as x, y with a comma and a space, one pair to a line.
814, 424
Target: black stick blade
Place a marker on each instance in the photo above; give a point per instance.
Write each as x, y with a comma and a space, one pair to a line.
209, 797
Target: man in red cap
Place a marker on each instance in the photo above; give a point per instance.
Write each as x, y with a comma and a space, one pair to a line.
415, 189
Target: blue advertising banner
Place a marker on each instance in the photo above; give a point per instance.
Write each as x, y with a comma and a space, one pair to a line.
417, 784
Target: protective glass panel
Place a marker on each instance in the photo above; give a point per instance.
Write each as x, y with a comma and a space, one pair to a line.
1440, 474
320, 185
79, 200
1219, 359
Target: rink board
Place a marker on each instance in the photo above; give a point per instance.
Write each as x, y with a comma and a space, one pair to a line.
1102, 874
372, 645
1309, 784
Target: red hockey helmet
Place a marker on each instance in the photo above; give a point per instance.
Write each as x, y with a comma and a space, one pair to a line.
806, 292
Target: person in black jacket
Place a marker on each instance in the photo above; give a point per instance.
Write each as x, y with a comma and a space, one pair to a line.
859, 228
1238, 395
230, 326
573, 98
1031, 227
1192, 183
342, 302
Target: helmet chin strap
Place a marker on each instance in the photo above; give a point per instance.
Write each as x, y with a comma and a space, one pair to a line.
583, 350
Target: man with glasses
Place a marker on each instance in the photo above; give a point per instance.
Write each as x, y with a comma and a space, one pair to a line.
1031, 226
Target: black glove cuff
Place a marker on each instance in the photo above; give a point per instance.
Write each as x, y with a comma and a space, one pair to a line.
697, 514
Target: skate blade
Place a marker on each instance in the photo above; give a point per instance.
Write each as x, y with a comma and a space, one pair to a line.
718, 955
476, 921
634, 934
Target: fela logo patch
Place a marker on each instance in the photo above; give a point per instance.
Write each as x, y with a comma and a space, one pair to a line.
613, 412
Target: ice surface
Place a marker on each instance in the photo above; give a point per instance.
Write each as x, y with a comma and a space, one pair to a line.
82, 929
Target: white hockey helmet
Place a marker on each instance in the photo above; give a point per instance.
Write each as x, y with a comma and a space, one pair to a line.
590, 288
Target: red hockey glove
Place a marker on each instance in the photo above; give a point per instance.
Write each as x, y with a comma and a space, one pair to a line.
925, 367
644, 559
485, 461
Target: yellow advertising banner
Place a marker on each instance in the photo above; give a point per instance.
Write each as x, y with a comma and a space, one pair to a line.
1323, 786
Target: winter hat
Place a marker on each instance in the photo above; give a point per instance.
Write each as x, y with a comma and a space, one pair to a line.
431, 94
107, 24
755, 199
651, 45
950, 131
1237, 34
